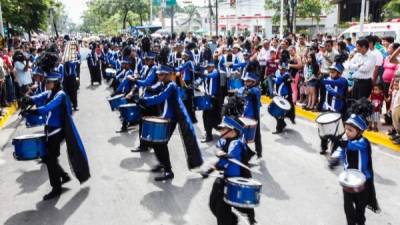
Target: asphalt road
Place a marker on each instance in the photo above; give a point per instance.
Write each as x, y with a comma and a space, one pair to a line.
298, 188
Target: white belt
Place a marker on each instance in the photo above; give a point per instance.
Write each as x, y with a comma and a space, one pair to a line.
54, 132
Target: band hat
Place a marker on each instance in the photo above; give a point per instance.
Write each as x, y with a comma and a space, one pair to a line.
250, 76
126, 60
231, 123
38, 71
53, 76
338, 67
237, 46
150, 55
163, 69
357, 121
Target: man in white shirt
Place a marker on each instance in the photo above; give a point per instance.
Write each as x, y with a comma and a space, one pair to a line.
378, 70
23, 75
263, 56
363, 65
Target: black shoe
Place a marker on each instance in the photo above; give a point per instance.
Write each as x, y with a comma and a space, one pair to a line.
140, 149
322, 152
55, 192
123, 130
277, 132
293, 121
157, 169
206, 139
165, 176
65, 179
76, 109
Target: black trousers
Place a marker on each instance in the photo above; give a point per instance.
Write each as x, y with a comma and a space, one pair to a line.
280, 121
162, 153
188, 102
362, 88
54, 169
355, 204
223, 211
212, 117
325, 141
71, 88
257, 140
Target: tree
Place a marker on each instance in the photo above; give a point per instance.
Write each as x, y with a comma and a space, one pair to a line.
392, 9
313, 9
276, 4
193, 15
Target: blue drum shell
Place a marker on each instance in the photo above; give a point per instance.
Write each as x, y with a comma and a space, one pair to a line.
130, 112
202, 102
235, 83
32, 120
154, 132
29, 148
242, 195
116, 102
275, 111
182, 94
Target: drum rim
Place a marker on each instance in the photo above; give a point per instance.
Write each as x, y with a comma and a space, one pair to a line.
144, 118
34, 136
252, 182
128, 105
250, 119
242, 205
325, 113
115, 97
355, 171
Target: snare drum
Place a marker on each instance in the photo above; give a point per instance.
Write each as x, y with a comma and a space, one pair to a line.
155, 130
242, 192
279, 107
202, 102
33, 120
352, 180
330, 125
110, 72
235, 83
30, 146
130, 112
250, 128
116, 101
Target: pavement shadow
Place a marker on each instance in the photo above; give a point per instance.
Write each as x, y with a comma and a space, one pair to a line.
93, 87
47, 213
125, 139
296, 139
172, 200
132, 164
271, 188
30, 180
381, 180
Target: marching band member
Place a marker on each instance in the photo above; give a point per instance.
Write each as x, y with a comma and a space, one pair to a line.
59, 126
252, 95
94, 65
211, 117
38, 81
355, 153
283, 89
335, 97
232, 147
187, 73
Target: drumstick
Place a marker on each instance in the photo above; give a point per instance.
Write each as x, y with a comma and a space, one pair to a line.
242, 165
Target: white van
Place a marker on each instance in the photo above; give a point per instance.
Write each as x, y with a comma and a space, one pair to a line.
379, 29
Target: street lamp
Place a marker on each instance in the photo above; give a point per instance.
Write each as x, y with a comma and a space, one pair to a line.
281, 24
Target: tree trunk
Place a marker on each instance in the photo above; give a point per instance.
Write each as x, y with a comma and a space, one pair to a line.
294, 18
124, 19
288, 17
29, 35
141, 19
172, 19
55, 28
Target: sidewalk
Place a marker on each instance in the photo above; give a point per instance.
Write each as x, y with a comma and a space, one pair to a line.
378, 138
9, 111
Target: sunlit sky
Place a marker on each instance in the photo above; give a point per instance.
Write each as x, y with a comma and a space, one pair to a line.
75, 8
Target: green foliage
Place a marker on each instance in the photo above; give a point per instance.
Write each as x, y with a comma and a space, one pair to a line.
392, 9
313, 8
193, 15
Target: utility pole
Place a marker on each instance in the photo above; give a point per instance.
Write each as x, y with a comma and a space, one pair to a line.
362, 16
281, 24
151, 12
367, 11
1, 22
172, 19
216, 17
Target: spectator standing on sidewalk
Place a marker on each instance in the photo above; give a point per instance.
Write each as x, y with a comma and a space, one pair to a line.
23, 75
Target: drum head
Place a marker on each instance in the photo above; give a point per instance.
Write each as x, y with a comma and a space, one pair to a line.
128, 105
352, 178
29, 136
155, 119
244, 181
281, 102
117, 96
110, 70
248, 122
328, 118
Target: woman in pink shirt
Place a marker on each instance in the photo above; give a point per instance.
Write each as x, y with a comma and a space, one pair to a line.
389, 71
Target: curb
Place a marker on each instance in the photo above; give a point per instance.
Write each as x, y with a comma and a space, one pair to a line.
9, 112
374, 137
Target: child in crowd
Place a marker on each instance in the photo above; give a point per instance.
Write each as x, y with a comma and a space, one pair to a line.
272, 66
377, 98
311, 71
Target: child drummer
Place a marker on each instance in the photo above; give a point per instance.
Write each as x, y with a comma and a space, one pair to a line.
335, 97
232, 147
355, 153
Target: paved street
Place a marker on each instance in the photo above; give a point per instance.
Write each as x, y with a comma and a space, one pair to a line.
298, 188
